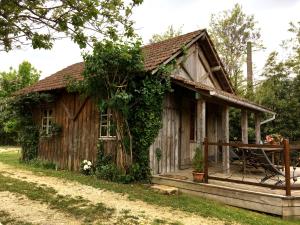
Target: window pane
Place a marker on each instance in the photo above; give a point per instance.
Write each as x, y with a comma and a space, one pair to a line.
112, 130
103, 131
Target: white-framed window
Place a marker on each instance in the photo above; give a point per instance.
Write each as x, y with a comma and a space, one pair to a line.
107, 126
47, 120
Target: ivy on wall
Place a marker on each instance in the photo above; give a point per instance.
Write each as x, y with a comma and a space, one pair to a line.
115, 76
22, 119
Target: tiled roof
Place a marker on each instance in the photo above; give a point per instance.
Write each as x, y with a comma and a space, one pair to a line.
154, 55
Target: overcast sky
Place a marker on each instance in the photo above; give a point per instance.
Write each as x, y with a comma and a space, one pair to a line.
154, 16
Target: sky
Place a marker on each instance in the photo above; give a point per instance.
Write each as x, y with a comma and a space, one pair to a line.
154, 16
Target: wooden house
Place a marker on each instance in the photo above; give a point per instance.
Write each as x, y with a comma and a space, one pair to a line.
198, 108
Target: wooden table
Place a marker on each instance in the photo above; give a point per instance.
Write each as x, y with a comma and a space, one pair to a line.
266, 149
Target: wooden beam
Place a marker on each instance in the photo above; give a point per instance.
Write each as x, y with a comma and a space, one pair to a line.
215, 68
205, 160
218, 59
179, 51
206, 65
257, 128
244, 126
225, 138
287, 171
186, 71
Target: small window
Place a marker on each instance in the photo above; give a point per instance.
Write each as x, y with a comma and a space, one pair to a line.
107, 126
47, 121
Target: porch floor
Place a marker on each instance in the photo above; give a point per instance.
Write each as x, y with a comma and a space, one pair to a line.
258, 198
235, 173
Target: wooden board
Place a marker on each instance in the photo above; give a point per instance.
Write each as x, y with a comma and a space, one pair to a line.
79, 137
167, 140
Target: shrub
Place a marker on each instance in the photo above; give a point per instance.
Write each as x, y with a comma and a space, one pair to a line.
86, 167
198, 160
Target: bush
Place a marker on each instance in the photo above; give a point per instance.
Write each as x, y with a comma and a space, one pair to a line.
198, 160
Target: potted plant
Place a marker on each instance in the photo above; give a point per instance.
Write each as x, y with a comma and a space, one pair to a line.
198, 173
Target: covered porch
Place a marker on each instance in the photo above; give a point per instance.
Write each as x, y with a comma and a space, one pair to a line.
191, 113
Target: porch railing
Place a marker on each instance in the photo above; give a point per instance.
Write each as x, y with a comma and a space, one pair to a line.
285, 147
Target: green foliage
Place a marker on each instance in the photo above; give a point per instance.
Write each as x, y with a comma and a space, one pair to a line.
169, 33
44, 164
158, 154
41, 22
115, 76
20, 108
198, 160
279, 91
145, 120
15, 80
230, 31
10, 82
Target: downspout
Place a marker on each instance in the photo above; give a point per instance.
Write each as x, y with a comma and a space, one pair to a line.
268, 120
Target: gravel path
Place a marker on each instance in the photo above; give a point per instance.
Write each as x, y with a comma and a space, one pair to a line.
147, 212
23, 209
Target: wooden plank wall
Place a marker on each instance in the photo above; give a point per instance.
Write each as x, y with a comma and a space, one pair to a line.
79, 137
167, 139
185, 129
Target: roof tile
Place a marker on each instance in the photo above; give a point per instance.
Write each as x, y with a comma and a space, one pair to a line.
154, 55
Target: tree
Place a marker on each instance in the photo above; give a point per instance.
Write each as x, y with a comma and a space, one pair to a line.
11, 82
15, 80
280, 89
169, 33
230, 31
278, 92
38, 23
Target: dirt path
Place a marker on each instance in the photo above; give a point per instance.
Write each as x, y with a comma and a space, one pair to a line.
25, 210
147, 212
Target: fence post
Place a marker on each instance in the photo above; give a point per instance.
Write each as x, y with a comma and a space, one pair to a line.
286, 156
206, 160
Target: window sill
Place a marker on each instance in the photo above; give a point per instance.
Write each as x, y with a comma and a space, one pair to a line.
108, 138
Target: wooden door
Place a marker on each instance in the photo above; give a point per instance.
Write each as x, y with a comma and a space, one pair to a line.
185, 127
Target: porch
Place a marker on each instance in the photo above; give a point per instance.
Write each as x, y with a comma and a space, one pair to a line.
242, 185
257, 198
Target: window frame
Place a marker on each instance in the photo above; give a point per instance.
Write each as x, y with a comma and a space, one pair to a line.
46, 129
108, 125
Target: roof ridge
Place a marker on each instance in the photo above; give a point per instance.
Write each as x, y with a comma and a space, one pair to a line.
170, 39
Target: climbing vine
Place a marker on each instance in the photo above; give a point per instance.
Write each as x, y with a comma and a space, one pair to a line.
22, 122
115, 76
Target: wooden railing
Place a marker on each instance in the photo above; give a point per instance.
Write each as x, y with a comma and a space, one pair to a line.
285, 147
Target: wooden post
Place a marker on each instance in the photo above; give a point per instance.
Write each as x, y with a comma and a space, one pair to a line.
206, 160
287, 171
257, 128
201, 125
244, 124
225, 139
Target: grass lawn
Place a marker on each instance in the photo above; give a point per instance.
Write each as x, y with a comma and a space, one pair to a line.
197, 205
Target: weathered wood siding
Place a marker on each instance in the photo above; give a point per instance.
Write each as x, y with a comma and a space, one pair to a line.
195, 67
185, 128
167, 139
80, 131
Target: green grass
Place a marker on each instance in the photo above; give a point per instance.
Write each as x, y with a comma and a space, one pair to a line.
197, 205
6, 219
77, 207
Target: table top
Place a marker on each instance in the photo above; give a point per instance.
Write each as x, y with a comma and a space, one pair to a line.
263, 148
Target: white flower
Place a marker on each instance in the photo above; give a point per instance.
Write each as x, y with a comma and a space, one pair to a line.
86, 167
85, 161
89, 163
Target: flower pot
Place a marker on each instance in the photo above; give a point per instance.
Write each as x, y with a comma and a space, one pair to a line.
198, 176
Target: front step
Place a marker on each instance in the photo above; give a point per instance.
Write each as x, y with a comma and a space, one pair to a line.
166, 190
